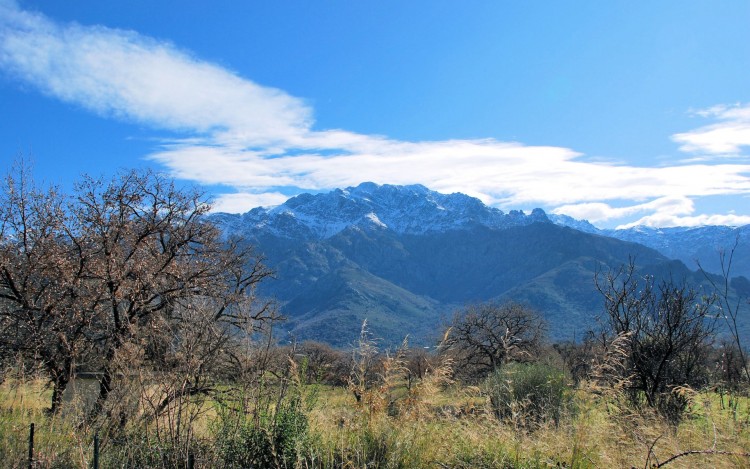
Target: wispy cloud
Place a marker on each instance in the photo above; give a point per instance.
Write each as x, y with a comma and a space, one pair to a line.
661, 212
237, 203
254, 140
661, 220
726, 137
598, 211
121, 73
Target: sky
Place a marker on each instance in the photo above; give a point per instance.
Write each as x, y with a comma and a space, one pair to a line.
619, 112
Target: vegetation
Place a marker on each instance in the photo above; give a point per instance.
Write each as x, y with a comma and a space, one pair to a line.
669, 330
120, 271
484, 337
436, 423
528, 395
128, 324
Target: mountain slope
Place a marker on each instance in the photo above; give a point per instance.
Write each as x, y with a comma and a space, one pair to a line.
691, 245
332, 309
695, 245
404, 258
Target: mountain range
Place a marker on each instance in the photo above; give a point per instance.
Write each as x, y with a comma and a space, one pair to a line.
697, 246
405, 258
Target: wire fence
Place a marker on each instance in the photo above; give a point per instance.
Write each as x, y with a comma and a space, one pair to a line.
33, 459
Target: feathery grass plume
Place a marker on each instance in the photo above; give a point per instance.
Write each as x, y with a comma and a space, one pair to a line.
362, 374
393, 378
438, 376
608, 377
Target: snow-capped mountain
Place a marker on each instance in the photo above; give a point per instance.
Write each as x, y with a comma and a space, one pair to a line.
695, 246
570, 222
412, 209
405, 256
415, 209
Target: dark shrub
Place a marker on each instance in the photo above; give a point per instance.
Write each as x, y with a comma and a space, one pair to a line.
528, 394
270, 441
670, 328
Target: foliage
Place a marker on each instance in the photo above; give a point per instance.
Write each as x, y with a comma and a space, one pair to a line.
455, 429
483, 337
138, 450
276, 439
528, 394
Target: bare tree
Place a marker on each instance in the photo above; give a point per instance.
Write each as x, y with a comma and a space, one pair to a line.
419, 361
485, 336
324, 364
729, 304
117, 257
46, 301
152, 252
578, 358
670, 332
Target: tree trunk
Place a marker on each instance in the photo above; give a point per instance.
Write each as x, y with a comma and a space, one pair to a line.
60, 378
105, 386
60, 383
105, 383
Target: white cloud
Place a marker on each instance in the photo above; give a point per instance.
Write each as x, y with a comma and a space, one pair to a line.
235, 203
121, 73
726, 137
599, 211
661, 220
255, 139
661, 212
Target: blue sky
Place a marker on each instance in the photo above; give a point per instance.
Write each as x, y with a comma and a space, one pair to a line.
620, 112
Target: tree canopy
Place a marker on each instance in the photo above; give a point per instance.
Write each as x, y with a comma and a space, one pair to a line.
83, 275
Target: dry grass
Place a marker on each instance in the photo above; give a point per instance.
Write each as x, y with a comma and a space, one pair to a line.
57, 443
464, 434
439, 425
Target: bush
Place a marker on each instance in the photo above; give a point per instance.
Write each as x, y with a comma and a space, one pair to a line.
272, 441
670, 327
528, 394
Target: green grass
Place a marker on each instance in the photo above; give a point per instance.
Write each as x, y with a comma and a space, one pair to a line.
57, 440
455, 427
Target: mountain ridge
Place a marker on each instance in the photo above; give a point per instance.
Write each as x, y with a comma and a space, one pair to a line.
411, 209
405, 257
696, 246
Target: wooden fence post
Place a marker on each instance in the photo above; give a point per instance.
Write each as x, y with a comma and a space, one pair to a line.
31, 446
96, 450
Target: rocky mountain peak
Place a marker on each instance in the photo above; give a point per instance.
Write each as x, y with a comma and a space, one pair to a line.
410, 209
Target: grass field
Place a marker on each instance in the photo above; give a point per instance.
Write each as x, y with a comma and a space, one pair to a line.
439, 427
